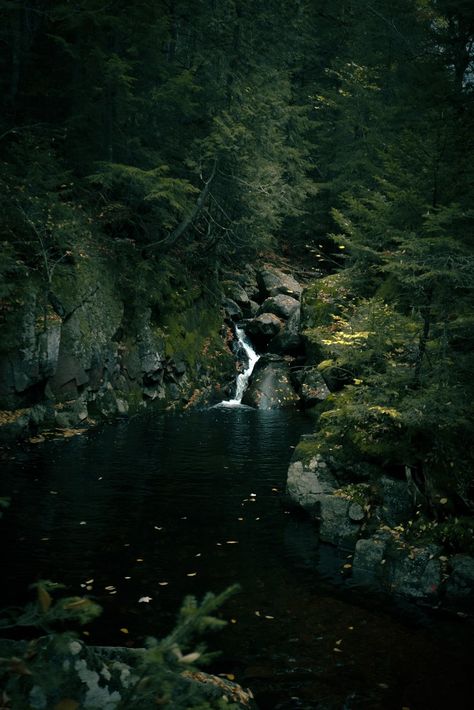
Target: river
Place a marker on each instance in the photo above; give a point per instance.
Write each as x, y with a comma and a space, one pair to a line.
165, 505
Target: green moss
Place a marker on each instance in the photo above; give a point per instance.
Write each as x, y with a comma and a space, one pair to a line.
308, 447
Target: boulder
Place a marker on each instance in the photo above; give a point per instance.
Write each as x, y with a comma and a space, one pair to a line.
232, 310
288, 340
368, 562
281, 305
397, 502
308, 480
416, 574
270, 386
236, 292
263, 328
272, 281
69, 375
335, 525
460, 584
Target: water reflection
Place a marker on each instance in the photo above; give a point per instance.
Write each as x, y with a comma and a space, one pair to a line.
140, 505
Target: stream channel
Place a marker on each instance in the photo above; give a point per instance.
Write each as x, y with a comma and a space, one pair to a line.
156, 499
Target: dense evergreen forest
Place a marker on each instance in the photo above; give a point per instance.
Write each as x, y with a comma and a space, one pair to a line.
173, 138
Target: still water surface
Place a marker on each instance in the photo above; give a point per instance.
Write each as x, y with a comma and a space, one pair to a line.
174, 504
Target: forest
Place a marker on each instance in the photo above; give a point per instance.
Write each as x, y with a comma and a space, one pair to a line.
173, 136
165, 143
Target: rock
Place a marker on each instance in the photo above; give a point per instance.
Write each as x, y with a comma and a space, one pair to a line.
397, 502
368, 557
417, 574
122, 407
356, 512
251, 309
289, 339
66, 420
460, 584
232, 310
307, 481
263, 328
234, 291
69, 375
280, 305
270, 386
335, 526
16, 427
272, 281
131, 363
105, 404
42, 415
313, 388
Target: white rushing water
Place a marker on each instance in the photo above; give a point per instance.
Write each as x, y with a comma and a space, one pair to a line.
243, 377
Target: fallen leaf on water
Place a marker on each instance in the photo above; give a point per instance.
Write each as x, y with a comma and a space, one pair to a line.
113, 592
145, 600
124, 630
36, 440
257, 518
253, 495
257, 613
383, 685
232, 542
219, 544
347, 566
45, 539
66, 704
443, 501
338, 642
127, 578
275, 490
337, 650
89, 581
89, 587
139, 559
163, 584
267, 616
351, 628
54, 493
233, 621
86, 633
198, 555
191, 574
83, 522
239, 518
109, 588
157, 528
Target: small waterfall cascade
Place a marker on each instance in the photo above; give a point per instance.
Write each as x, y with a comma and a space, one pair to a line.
243, 377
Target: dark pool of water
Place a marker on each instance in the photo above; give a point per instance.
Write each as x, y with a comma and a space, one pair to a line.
155, 500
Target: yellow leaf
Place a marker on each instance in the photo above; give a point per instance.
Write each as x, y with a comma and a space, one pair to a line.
230, 676
191, 574
124, 630
66, 704
44, 599
443, 501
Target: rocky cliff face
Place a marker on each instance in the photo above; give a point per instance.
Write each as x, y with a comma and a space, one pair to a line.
85, 351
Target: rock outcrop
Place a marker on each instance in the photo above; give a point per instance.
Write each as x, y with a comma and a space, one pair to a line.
372, 519
270, 385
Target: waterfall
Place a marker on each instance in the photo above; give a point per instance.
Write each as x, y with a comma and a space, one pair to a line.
243, 377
